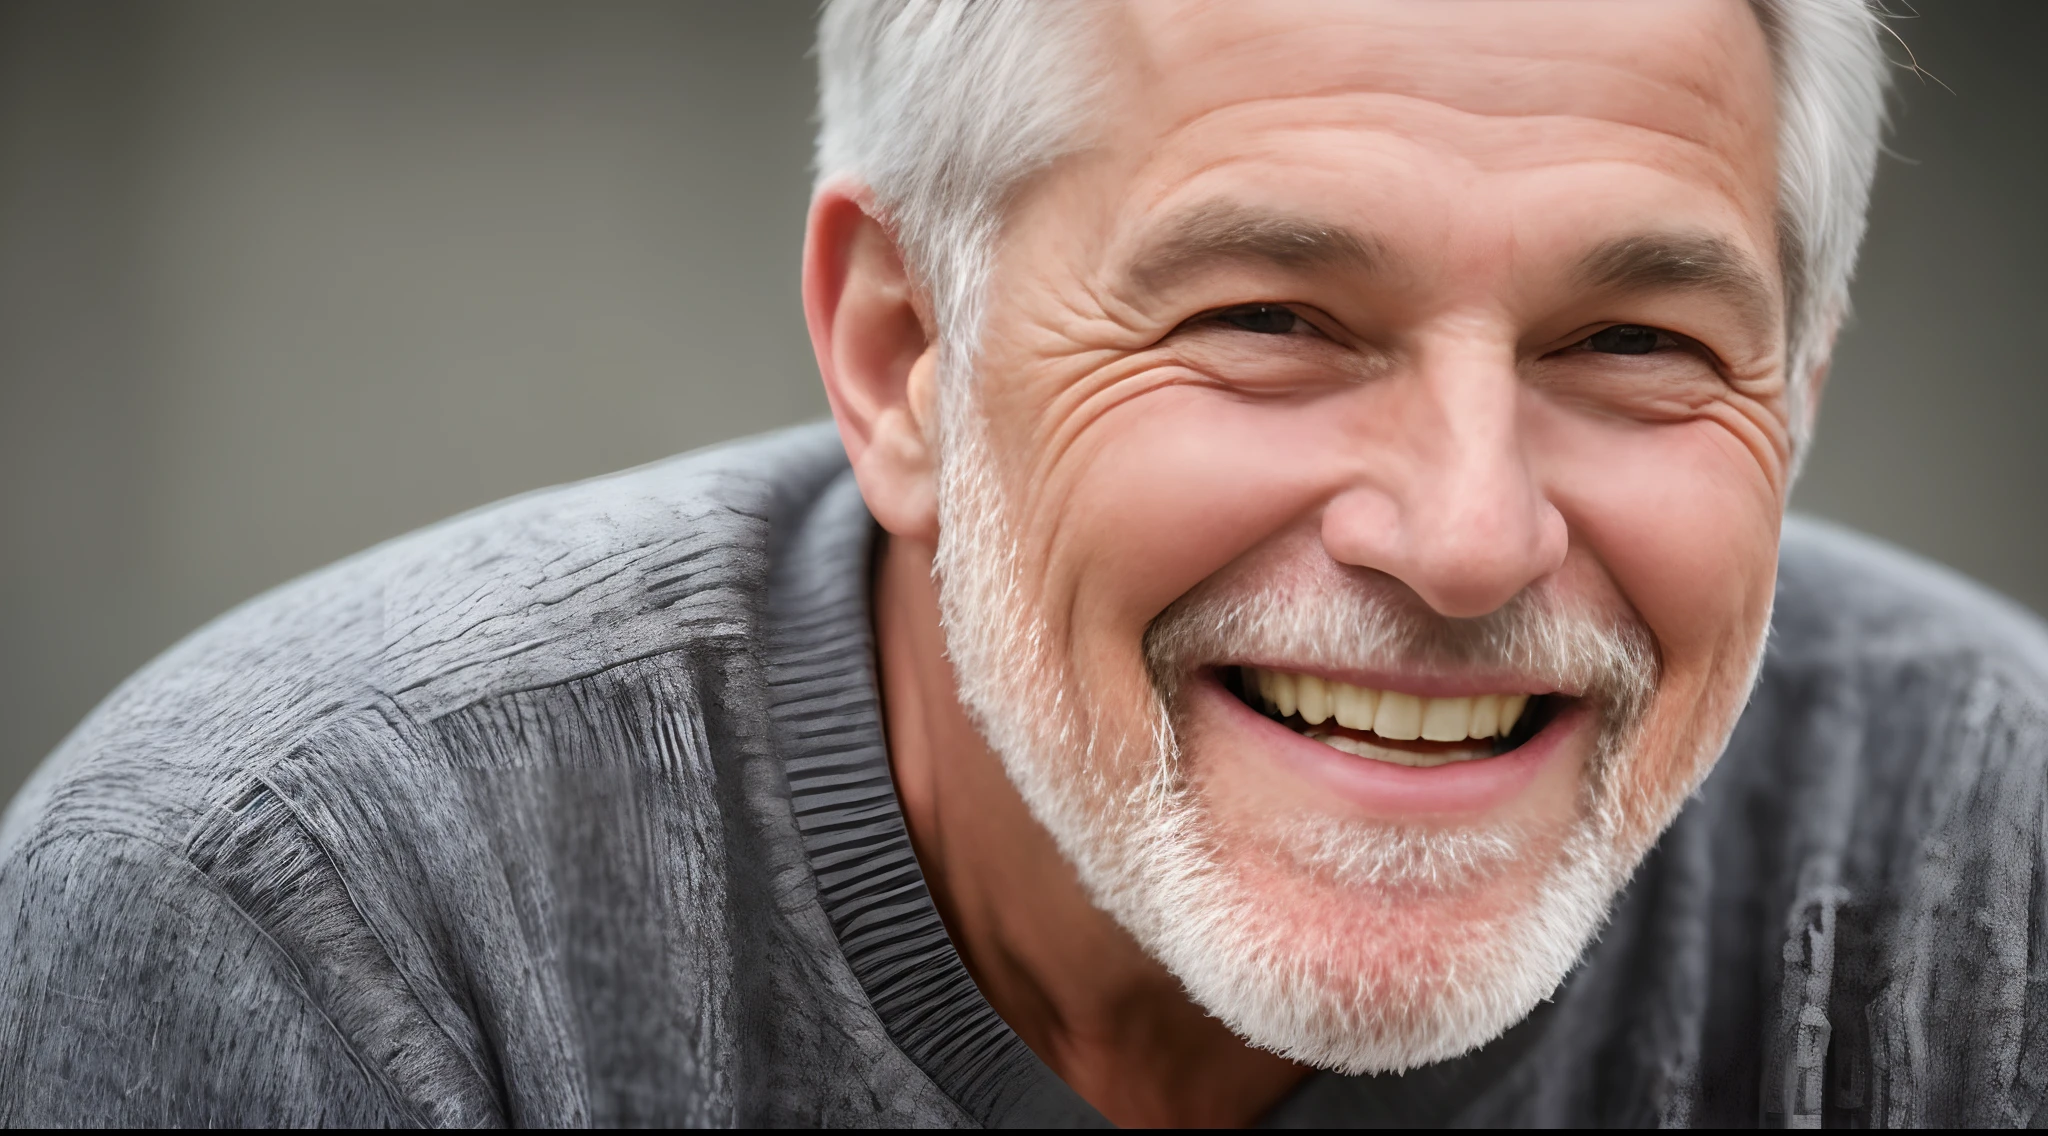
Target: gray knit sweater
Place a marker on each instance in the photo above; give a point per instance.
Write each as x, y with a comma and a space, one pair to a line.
575, 810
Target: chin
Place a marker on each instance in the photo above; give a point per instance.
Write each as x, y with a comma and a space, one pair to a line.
1367, 949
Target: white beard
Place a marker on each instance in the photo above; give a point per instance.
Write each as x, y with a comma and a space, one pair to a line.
1331, 983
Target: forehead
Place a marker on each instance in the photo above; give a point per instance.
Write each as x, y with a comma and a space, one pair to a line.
1667, 101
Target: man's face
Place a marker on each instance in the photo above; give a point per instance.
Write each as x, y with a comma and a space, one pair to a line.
1385, 369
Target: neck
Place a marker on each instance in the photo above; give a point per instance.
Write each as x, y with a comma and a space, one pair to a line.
1113, 1023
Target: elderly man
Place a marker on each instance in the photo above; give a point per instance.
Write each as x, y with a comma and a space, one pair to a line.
1283, 632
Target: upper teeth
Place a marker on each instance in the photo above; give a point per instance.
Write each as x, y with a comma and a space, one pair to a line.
1388, 713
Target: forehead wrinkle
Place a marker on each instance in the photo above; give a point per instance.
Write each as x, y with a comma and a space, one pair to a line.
1496, 139
1342, 97
1690, 113
1687, 262
1221, 232
1498, 130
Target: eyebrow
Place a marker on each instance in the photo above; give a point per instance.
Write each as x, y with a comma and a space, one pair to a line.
1692, 262
1225, 232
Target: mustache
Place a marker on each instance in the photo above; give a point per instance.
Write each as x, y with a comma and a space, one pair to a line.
1361, 620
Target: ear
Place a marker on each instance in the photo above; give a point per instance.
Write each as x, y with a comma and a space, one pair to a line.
1817, 385
878, 357
1808, 414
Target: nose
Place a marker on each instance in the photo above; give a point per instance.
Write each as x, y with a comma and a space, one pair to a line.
1451, 506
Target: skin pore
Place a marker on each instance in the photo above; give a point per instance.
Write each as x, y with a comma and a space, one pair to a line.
1475, 297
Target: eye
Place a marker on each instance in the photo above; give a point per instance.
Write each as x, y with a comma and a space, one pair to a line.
1260, 319
1628, 339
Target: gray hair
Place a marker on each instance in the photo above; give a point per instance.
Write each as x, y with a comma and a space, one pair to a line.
942, 108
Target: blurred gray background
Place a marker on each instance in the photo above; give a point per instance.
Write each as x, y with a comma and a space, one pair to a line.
281, 280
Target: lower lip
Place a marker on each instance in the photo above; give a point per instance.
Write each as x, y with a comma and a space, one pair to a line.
1458, 788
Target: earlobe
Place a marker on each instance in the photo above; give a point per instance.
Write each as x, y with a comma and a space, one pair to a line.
1817, 385
876, 356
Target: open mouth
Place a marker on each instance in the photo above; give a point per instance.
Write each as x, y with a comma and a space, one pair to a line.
1389, 725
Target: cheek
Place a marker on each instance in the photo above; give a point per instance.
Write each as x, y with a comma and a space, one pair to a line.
1687, 524
1158, 494
1686, 521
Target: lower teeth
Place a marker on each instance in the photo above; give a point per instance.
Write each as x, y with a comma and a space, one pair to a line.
1392, 756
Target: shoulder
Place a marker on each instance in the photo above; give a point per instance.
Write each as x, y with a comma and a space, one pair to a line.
1846, 600
538, 590
1900, 695
570, 581
1901, 691
373, 798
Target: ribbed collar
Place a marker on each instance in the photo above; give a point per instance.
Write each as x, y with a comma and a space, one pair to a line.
827, 718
